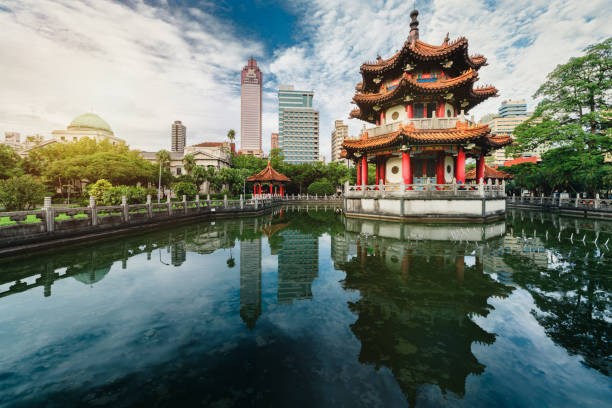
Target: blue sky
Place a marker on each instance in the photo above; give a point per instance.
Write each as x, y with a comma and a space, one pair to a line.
141, 64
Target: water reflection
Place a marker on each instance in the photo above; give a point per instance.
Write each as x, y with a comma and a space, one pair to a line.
412, 300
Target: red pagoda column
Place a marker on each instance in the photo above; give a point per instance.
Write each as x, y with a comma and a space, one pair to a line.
440, 169
364, 169
424, 110
383, 169
282, 193
410, 111
460, 171
377, 170
382, 118
480, 167
406, 169
254, 190
440, 112
358, 164
259, 188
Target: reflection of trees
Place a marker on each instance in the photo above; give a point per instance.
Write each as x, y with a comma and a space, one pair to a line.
572, 295
416, 321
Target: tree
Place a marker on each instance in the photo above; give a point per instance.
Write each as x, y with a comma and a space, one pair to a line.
9, 162
321, 187
98, 189
185, 188
163, 157
573, 117
189, 163
21, 192
231, 135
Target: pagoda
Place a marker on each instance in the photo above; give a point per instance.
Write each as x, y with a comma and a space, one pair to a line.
417, 100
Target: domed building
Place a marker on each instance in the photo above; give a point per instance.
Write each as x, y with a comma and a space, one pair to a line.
87, 125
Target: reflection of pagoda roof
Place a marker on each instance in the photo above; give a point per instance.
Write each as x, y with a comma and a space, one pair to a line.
490, 173
268, 174
271, 230
462, 133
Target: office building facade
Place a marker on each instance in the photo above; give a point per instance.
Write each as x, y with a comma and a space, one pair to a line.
339, 133
274, 141
250, 108
179, 137
298, 125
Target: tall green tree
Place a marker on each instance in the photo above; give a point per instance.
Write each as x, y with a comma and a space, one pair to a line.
9, 162
189, 163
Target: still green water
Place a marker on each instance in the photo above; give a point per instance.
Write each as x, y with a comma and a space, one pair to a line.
306, 308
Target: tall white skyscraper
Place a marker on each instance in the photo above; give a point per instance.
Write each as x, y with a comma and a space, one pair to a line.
250, 109
298, 125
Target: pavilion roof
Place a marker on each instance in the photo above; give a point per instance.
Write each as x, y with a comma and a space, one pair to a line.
490, 173
268, 174
461, 133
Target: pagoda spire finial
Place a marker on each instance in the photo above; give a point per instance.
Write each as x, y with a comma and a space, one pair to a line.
414, 26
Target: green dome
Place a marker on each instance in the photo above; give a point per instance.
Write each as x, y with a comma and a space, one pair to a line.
91, 121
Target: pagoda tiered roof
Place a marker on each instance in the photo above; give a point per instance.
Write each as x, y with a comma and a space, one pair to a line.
461, 133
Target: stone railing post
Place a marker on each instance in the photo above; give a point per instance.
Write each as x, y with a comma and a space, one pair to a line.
241, 202
454, 186
225, 201
503, 188
184, 203
513, 197
49, 214
208, 200
596, 200
481, 188
255, 202
126, 209
94, 212
542, 199
149, 206
169, 204
197, 200
577, 198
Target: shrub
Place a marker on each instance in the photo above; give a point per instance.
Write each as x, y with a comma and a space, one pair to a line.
97, 189
321, 187
184, 188
21, 193
134, 195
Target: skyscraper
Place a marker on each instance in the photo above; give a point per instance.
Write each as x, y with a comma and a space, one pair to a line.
274, 141
179, 137
298, 125
250, 108
339, 133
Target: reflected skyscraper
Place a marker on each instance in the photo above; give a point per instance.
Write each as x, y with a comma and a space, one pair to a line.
298, 266
250, 281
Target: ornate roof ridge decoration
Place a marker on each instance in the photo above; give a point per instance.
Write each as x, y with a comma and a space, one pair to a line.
469, 76
462, 133
268, 174
490, 173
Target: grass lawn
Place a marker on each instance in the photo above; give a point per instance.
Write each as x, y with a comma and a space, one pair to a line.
30, 219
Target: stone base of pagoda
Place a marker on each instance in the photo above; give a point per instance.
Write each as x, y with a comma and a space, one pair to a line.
447, 204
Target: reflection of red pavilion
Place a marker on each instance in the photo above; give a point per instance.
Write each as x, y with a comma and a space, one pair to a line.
417, 100
270, 178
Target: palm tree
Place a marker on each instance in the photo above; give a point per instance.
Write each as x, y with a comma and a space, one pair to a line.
189, 163
163, 158
231, 135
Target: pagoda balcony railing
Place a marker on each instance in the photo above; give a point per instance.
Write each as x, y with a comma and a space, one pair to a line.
426, 191
420, 123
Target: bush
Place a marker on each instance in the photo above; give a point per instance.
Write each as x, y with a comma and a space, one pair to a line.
184, 188
134, 195
97, 189
321, 187
21, 193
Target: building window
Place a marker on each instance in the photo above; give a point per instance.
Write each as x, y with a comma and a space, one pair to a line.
178, 171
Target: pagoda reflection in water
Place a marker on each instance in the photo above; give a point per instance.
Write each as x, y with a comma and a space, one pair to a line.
416, 307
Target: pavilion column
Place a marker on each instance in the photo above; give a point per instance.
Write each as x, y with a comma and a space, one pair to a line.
282, 193
377, 170
460, 170
364, 170
424, 110
254, 190
406, 168
383, 169
358, 164
382, 118
440, 169
480, 172
410, 111
259, 188
440, 113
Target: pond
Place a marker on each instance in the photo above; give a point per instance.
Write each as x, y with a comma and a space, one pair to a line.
306, 308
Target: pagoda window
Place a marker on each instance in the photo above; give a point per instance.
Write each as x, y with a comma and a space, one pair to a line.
431, 108
418, 110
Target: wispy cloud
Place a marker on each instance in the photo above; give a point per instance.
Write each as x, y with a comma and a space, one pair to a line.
141, 66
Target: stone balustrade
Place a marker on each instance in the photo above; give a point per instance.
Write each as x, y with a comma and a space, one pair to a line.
57, 222
564, 203
425, 191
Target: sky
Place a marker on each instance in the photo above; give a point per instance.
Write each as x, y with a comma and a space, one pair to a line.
141, 64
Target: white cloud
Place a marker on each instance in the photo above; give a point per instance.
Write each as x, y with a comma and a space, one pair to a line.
142, 67
346, 34
139, 67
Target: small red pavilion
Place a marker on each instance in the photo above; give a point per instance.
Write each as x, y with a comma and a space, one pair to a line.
271, 178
